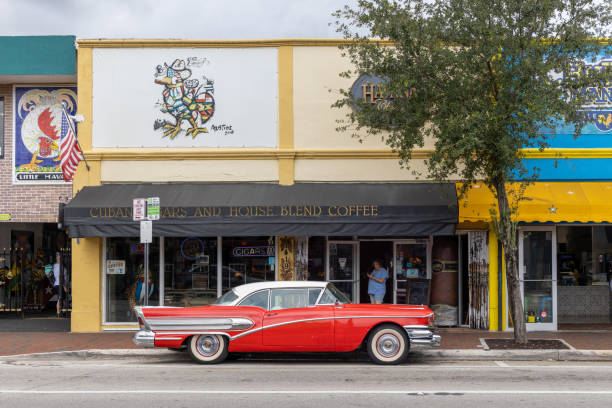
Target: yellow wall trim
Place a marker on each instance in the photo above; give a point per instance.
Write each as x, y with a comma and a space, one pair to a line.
286, 155
316, 154
246, 154
168, 43
567, 153
285, 97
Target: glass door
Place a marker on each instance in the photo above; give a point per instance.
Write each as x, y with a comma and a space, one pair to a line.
343, 267
411, 265
538, 263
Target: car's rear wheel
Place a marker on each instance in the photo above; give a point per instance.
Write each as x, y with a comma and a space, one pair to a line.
208, 348
388, 344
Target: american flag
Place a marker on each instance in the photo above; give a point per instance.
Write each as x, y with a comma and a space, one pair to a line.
70, 151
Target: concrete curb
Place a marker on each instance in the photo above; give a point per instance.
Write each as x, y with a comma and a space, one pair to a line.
511, 355
415, 355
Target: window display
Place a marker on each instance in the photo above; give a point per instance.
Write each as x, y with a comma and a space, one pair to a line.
190, 271
248, 260
125, 287
585, 255
584, 271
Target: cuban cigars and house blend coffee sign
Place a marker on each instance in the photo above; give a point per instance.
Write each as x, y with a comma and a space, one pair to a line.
349, 210
38, 131
185, 97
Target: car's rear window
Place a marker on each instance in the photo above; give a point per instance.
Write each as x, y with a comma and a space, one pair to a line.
227, 299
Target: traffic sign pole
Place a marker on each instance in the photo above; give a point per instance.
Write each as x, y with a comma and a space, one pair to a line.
145, 211
146, 274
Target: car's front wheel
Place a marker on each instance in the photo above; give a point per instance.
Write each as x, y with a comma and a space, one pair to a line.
208, 348
388, 344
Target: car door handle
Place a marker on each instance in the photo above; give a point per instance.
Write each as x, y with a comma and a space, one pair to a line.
271, 314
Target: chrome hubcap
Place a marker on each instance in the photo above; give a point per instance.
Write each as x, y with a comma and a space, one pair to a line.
388, 345
207, 345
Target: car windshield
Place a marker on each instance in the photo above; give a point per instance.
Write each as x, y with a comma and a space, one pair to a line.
332, 295
227, 299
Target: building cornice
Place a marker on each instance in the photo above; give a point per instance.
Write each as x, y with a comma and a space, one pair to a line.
177, 43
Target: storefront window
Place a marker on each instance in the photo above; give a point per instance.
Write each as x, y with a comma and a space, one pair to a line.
125, 277
248, 260
584, 271
316, 259
190, 271
585, 255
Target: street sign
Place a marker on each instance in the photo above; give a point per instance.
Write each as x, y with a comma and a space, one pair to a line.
139, 209
153, 208
146, 232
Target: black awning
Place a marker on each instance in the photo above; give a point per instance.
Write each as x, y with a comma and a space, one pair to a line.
381, 209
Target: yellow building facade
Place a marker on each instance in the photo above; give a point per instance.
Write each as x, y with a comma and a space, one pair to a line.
239, 140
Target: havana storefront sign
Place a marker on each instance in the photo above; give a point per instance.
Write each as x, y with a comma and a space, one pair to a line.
370, 89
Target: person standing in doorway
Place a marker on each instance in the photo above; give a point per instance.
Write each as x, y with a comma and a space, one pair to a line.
60, 289
377, 283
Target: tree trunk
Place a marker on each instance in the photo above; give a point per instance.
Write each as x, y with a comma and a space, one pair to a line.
508, 235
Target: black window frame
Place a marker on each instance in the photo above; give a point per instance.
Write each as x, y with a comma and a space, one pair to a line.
2, 122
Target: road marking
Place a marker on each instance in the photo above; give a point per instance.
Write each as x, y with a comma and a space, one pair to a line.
256, 366
315, 392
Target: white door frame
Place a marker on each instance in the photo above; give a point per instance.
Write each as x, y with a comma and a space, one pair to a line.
553, 230
356, 268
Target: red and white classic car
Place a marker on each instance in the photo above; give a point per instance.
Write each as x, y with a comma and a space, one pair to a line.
287, 317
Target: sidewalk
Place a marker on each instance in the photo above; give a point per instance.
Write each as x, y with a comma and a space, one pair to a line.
452, 339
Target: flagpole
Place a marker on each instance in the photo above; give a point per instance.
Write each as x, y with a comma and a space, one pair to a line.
82, 153
75, 119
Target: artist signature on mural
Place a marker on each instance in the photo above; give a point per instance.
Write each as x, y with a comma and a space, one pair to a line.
226, 129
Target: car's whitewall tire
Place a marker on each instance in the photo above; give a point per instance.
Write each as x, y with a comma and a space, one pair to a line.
388, 344
208, 348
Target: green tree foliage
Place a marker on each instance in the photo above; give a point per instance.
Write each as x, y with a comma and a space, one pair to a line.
479, 78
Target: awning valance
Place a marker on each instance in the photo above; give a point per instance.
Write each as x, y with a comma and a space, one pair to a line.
558, 202
376, 209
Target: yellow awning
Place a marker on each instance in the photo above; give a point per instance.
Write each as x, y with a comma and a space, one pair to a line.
546, 202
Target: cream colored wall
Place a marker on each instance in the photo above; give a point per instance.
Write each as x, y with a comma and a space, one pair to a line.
355, 170
185, 171
316, 73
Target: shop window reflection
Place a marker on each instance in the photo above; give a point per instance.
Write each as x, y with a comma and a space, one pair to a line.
190, 271
248, 260
125, 279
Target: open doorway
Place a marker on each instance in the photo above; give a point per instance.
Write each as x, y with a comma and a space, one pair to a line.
369, 251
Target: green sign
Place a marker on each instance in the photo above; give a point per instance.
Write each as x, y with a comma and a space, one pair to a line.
153, 208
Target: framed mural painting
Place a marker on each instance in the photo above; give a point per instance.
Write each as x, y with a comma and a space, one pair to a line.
39, 124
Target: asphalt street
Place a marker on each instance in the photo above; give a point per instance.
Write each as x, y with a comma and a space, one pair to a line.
171, 380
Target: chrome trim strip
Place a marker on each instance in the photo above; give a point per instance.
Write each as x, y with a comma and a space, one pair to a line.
201, 323
237, 336
168, 338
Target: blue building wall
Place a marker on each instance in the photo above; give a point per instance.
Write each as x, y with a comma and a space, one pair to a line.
595, 165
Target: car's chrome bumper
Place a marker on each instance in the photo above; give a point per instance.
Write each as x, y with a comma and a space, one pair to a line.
422, 335
144, 338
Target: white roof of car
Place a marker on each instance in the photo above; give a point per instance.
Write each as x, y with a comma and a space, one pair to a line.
244, 290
